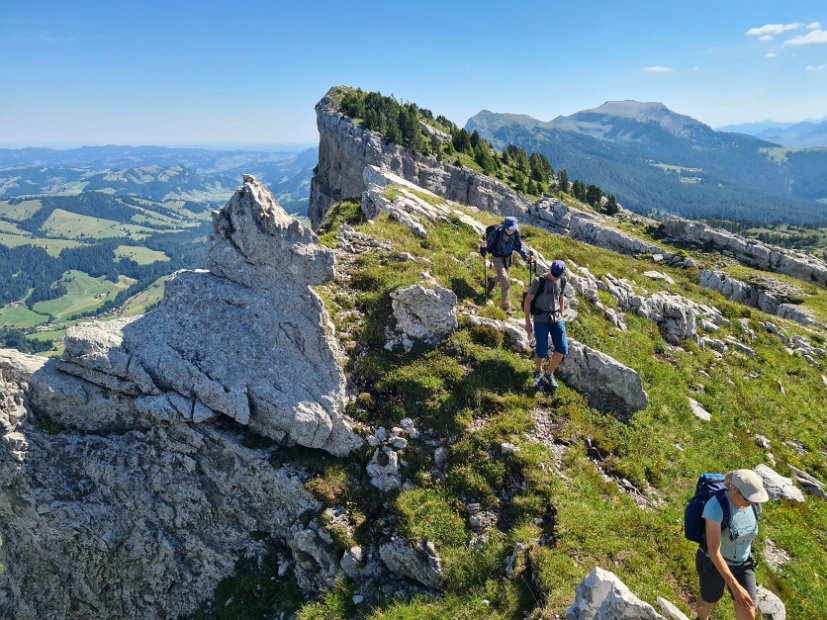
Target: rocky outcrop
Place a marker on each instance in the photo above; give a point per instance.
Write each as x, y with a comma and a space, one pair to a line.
270, 366
140, 523
345, 148
420, 563
408, 204
607, 384
779, 487
677, 317
755, 296
748, 251
603, 596
587, 227
425, 313
126, 489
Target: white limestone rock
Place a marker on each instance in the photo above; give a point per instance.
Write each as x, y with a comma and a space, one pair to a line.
770, 606
383, 470
219, 342
607, 384
428, 314
420, 563
809, 483
698, 411
670, 611
778, 487
603, 596
749, 251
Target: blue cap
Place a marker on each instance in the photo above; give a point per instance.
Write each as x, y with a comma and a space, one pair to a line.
557, 268
510, 223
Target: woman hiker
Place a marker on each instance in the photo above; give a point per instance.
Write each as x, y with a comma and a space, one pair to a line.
727, 559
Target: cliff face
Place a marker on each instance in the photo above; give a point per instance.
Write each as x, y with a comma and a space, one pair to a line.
126, 488
345, 148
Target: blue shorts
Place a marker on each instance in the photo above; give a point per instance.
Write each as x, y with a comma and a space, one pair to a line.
558, 338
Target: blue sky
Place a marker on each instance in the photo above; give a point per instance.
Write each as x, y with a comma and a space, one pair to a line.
208, 72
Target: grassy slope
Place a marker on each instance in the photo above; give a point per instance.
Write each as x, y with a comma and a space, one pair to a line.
73, 225
585, 520
84, 293
142, 256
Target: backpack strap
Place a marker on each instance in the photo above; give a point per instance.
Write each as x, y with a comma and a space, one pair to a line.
724, 503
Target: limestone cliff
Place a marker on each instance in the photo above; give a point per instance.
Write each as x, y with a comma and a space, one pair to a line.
345, 148
126, 489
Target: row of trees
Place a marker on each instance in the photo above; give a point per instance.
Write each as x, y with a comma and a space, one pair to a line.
529, 173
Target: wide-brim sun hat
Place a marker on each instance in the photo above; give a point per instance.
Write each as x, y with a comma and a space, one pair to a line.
750, 485
510, 223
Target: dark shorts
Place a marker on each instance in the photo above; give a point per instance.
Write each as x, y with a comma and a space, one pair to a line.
712, 584
558, 338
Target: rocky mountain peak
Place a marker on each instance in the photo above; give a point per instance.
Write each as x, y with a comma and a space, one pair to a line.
257, 244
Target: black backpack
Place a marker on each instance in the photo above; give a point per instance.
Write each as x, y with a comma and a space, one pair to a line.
694, 525
492, 236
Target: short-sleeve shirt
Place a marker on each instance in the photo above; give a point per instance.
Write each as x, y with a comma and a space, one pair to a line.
548, 302
736, 540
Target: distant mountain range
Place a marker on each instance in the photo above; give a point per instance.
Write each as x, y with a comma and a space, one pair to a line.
156, 173
655, 160
806, 134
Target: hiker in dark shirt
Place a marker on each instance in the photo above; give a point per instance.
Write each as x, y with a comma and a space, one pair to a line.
501, 242
548, 321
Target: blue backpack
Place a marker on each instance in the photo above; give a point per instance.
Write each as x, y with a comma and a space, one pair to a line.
694, 525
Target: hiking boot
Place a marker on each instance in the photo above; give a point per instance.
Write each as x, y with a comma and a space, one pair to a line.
550, 380
538, 380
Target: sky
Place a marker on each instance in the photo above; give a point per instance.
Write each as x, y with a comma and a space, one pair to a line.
208, 72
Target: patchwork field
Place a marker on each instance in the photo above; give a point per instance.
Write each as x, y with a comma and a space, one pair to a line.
75, 226
141, 255
84, 294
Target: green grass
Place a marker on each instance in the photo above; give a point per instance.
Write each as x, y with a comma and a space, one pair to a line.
52, 246
19, 212
138, 304
19, 315
141, 255
75, 226
84, 293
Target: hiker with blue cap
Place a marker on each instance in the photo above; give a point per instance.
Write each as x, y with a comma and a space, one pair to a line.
501, 242
543, 307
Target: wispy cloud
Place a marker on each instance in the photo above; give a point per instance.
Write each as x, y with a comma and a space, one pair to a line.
814, 37
658, 69
772, 30
772, 55
814, 26
816, 67
766, 37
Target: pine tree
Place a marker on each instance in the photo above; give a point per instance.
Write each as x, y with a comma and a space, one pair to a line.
563, 180
612, 207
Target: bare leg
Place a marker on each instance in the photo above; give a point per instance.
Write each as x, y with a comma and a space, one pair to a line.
744, 613
704, 609
538, 364
554, 362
